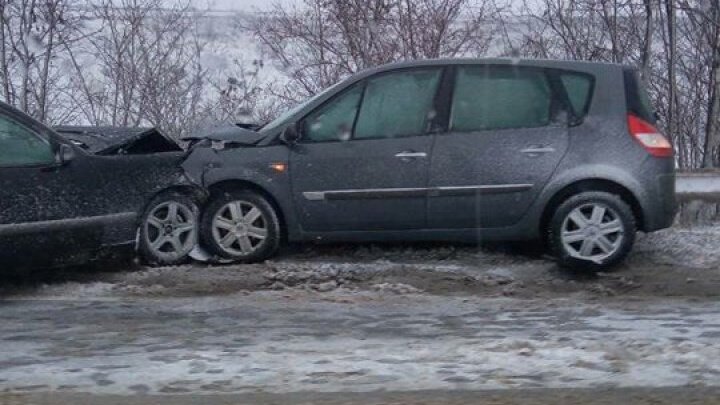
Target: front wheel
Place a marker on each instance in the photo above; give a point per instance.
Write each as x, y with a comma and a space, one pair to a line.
241, 226
592, 230
169, 229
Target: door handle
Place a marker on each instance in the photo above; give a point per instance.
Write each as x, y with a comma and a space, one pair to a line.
537, 150
408, 155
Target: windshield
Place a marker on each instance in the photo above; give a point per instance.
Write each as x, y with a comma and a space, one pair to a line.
282, 119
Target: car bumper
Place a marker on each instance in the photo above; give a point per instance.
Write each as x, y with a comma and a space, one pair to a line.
661, 204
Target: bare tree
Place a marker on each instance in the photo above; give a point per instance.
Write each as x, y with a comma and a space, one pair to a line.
646, 39
596, 30
33, 37
671, 58
142, 62
705, 23
322, 41
238, 94
143, 67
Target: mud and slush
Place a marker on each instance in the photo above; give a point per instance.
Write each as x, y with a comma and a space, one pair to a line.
365, 324
600, 396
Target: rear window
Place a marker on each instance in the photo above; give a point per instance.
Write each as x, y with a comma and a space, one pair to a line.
579, 88
638, 101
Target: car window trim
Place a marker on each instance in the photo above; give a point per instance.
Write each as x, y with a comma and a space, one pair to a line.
559, 101
359, 109
30, 166
443, 100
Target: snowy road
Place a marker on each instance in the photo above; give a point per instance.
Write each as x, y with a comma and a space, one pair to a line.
280, 342
359, 319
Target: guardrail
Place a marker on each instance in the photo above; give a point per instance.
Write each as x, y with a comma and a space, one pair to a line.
698, 186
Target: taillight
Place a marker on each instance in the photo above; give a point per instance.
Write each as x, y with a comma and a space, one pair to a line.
649, 137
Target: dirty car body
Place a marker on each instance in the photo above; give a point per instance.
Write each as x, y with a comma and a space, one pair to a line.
460, 181
62, 204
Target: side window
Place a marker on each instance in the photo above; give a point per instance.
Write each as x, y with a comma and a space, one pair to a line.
334, 121
19, 146
499, 97
579, 90
398, 104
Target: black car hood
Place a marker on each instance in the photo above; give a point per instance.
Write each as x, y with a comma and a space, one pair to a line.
119, 140
229, 134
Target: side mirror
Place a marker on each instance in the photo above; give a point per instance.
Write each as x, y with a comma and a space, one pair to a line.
291, 135
65, 154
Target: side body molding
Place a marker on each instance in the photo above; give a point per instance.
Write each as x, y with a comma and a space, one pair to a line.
414, 192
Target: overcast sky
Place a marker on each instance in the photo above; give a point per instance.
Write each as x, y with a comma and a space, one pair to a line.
241, 4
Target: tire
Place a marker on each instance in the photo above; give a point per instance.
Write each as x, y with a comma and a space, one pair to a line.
241, 226
592, 231
169, 229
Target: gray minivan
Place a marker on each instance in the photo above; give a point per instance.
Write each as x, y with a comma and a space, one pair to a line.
450, 150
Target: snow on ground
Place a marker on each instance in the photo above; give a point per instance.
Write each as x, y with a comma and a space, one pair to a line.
368, 317
675, 262
697, 247
291, 342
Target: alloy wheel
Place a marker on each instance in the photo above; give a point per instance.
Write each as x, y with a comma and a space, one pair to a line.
592, 232
171, 230
239, 228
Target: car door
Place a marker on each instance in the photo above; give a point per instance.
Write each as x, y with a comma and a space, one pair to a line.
507, 133
48, 209
363, 159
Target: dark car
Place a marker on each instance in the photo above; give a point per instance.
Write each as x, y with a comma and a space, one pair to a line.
62, 204
458, 150
108, 141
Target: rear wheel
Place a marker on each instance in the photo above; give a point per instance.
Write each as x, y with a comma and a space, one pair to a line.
241, 226
169, 229
592, 230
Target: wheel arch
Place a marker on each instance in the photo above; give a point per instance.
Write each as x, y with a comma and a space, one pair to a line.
594, 184
222, 186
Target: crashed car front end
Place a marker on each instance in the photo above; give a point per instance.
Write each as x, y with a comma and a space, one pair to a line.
230, 159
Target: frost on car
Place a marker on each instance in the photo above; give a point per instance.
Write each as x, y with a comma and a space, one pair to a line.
68, 199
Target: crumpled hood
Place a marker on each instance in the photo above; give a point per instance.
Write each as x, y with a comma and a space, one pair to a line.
119, 140
228, 134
